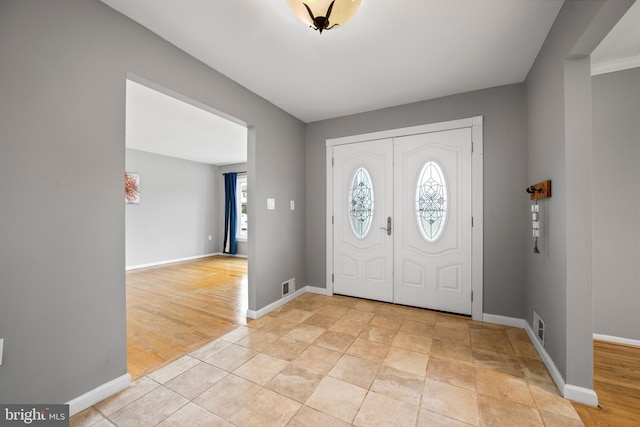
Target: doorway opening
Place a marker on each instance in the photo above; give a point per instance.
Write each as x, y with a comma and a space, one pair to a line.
181, 291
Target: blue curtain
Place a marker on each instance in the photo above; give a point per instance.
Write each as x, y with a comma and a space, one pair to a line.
230, 213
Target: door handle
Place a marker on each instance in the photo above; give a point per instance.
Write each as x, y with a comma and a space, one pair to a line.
388, 227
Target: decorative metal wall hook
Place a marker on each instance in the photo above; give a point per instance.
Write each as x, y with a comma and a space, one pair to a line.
541, 190
533, 190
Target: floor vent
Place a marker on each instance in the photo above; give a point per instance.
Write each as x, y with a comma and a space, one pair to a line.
538, 327
288, 286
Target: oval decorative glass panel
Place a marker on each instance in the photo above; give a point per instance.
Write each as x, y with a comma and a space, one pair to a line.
431, 201
361, 202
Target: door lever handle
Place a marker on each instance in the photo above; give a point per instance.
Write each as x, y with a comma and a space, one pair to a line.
388, 227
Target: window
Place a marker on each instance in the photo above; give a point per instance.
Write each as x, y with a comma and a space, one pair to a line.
361, 203
241, 204
431, 201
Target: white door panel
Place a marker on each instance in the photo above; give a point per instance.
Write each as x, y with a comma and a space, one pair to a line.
434, 274
363, 256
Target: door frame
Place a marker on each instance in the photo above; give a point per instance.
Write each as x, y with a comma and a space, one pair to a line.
477, 195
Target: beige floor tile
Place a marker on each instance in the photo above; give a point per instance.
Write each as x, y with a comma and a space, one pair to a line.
286, 348
319, 359
379, 410
536, 373
421, 314
295, 315
295, 382
356, 371
452, 334
517, 334
524, 349
387, 309
368, 350
378, 334
261, 369
495, 340
259, 340
86, 418
259, 323
399, 385
238, 333
309, 417
369, 306
279, 326
451, 401
356, 315
335, 341
227, 395
501, 362
306, 333
333, 311
321, 321
500, 412
407, 360
421, 344
452, 372
452, 321
208, 350
266, 409
553, 403
348, 327
192, 415
174, 369
448, 350
231, 357
136, 390
388, 322
417, 327
431, 419
150, 409
503, 386
196, 380
337, 398
555, 420
103, 423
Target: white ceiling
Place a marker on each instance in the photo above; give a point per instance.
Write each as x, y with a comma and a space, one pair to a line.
391, 53
161, 124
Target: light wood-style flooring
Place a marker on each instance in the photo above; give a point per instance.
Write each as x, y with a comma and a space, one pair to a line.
172, 310
617, 383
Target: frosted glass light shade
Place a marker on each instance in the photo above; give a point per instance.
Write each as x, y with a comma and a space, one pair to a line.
342, 12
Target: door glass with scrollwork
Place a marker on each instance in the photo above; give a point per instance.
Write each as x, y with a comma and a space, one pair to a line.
361, 202
431, 201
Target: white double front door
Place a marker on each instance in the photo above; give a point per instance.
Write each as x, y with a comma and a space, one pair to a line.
402, 220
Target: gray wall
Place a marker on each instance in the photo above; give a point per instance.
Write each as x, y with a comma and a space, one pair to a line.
243, 247
616, 204
177, 212
504, 151
62, 230
558, 105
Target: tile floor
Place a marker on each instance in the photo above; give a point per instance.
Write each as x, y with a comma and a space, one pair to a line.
339, 361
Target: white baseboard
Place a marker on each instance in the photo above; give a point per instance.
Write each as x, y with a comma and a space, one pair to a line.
569, 391
617, 340
318, 290
253, 314
503, 320
170, 261
98, 394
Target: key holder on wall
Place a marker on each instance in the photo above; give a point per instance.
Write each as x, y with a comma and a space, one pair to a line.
541, 190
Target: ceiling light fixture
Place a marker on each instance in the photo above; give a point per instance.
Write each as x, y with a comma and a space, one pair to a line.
324, 14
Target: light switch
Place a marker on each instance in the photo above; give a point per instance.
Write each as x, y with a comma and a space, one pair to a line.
1, 348
271, 204
293, 205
